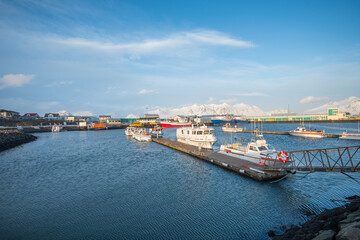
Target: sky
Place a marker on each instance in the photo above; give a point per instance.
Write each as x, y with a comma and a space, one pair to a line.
121, 57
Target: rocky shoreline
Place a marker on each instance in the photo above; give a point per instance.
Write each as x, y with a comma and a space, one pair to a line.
14, 138
341, 223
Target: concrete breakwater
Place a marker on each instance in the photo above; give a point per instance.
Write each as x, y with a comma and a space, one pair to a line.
12, 138
341, 223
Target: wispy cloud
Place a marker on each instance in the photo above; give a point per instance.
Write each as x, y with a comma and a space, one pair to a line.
311, 99
54, 84
15, 80
181, 39
146, 91
211, 99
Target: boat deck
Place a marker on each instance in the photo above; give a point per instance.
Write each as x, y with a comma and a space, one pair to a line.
237, 165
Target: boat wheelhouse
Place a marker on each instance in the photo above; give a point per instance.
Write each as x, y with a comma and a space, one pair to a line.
142, 135
202, 137
156, 132
129, 131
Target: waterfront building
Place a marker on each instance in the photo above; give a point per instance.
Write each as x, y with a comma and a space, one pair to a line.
31, 116
332, 114
114, 122
52, 116
9, 114
104, 118
70, 118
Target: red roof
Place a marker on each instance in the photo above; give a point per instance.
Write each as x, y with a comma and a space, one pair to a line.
31, 114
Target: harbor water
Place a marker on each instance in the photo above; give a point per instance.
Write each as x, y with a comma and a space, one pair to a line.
104, 185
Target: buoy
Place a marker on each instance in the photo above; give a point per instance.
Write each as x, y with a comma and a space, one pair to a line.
282, 159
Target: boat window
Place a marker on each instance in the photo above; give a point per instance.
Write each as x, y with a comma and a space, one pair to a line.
199, 132
206, 132
211, 132
262, 148
252, 148
270, 147
188, 132
182, 131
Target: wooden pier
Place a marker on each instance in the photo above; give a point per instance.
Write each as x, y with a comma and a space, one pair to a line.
237, 165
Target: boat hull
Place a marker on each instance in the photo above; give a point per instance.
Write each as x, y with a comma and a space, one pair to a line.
174, 125
232, 130
202, 144
351, 137
232, 122
307, 134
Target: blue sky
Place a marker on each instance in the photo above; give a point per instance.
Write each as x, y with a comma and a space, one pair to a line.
121, 57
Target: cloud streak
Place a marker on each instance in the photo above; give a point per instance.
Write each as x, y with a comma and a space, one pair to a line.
54, 84
146, 91
15, 80
311, 99
181, 39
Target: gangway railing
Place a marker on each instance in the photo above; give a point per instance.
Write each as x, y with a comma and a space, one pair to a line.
342, 159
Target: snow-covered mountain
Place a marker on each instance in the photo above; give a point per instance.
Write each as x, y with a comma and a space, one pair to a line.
351, 105
64, 113
209, 109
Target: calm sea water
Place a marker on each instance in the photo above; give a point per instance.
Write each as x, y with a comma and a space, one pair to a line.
103, 185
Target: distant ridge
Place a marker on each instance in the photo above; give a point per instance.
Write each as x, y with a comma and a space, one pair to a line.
351, 105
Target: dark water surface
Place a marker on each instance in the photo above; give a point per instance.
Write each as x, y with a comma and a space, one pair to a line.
103, 185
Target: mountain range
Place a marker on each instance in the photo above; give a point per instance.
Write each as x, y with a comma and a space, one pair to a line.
351, 105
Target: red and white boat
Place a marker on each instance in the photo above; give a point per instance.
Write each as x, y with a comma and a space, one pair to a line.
302, 132
174, 124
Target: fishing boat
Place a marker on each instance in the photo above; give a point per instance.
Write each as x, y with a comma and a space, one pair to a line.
56, 128
202, 137
302, 132
98, 126
231, 129
257, 151
156, 132
351, 135
142, 135
129, 131
175, 124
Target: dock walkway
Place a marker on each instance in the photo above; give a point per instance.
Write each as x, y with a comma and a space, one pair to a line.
237, 165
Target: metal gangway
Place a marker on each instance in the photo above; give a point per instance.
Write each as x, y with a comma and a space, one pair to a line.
341, 159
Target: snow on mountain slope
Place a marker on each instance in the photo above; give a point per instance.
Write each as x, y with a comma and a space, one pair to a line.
351, 105
209, 109
64, 113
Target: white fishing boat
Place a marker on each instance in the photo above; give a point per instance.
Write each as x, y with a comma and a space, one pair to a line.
257, 151
231, 129
156, 132
129, 131
351, 135
56, 128
142, 135
202, 137
302, 132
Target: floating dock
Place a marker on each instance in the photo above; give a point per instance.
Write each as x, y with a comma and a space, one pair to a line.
245, 168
